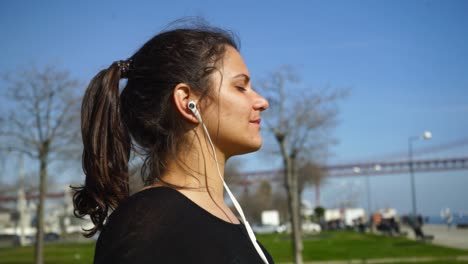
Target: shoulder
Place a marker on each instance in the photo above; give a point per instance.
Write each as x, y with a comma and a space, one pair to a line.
149, 213
155, 203
157, 196
152, 194
145, 221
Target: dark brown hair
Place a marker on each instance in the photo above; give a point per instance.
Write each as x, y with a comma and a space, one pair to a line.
143, 117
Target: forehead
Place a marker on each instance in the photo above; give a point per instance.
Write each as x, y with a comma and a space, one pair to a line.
233, 63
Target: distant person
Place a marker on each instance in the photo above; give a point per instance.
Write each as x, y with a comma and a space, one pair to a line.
416, 223
395, 225
448, 217
187, 107
449, 221
420, 220
361, 225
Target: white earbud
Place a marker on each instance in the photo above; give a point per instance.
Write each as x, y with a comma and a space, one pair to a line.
193, 107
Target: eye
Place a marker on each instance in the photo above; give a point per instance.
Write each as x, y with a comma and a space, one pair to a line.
241, 88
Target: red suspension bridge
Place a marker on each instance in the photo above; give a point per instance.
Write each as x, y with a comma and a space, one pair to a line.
372, 168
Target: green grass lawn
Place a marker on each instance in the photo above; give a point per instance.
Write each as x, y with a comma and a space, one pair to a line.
350, 245
324, 246
54, 254
433, 262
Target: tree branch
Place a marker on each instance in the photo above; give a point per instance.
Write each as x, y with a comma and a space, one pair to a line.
19, 150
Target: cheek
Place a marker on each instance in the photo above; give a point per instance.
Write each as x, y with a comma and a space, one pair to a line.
235, 118
233, 110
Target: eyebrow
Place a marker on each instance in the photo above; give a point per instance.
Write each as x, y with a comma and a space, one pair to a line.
243, 75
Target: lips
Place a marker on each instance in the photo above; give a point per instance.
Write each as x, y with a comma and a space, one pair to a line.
256, 121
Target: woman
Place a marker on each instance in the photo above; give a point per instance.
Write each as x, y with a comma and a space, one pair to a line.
187, 107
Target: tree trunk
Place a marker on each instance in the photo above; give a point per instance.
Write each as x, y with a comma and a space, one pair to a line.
293, 203
39, 247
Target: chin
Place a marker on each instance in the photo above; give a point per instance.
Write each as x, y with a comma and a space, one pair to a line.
257, 144
244, 149
251, 148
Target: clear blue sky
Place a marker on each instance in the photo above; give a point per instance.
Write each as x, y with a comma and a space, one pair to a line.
405, 61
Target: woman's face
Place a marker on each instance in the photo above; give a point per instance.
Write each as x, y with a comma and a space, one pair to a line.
233, 116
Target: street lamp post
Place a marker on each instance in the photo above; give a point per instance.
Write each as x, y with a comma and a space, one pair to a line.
369, 203
426, 135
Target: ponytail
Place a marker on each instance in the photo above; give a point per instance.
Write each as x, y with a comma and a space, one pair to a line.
106, 152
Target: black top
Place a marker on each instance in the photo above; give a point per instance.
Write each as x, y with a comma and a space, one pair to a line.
161, 225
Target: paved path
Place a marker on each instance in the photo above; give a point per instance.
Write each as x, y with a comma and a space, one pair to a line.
453, 237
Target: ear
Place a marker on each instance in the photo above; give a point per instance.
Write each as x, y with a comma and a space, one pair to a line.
182, 95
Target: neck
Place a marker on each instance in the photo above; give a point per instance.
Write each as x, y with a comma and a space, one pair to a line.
196, 169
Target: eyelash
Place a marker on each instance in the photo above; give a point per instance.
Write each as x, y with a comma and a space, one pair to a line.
241, 88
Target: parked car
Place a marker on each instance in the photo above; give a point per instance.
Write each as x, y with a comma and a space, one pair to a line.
307, 227
51, 236
264, 229
310, 227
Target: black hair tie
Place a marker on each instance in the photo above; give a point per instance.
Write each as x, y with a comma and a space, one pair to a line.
124, 67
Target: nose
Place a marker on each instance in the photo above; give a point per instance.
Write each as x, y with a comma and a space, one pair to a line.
260, 103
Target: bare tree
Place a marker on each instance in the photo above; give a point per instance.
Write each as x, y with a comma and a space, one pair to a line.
232, 172
42, 122
264, 195
297, 118
257, 202
311, 174
29, 182
281, 205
